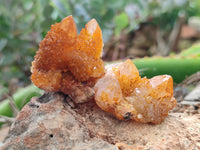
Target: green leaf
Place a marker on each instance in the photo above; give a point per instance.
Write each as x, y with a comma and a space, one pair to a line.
121, 21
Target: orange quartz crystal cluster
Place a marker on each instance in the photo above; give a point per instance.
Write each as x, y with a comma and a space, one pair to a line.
72, 64
123, 93
69, 62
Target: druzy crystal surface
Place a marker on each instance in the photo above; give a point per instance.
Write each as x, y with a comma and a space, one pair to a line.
123, 93
69, 62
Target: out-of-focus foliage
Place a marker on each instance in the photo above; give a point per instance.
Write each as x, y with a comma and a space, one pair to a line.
193, 51
165, 13
24, 23
20, 27
121, 21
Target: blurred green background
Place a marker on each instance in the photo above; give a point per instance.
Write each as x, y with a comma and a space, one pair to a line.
24, 23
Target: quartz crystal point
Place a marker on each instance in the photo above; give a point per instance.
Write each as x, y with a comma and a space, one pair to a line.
123, 93
69, 62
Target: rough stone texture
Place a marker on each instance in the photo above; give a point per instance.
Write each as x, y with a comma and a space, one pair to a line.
52, 122
3, 132
193, 98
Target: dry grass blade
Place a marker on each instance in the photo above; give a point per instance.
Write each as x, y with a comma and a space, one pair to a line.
12, 104
5, 119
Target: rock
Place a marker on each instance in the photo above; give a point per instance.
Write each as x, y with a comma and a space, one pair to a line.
49, 122
188, 32
3, 132
193, 98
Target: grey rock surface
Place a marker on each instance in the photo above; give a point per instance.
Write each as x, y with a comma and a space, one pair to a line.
193, 98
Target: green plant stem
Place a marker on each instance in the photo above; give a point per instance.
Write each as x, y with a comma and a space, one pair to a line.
21, 97
178, 67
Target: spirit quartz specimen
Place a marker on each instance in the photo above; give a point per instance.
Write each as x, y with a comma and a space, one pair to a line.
69, 62
72, 64
123, 93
